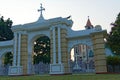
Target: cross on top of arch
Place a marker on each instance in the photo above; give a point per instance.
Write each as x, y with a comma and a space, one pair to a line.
41, 10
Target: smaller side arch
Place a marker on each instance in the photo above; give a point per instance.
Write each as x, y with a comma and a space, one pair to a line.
86, 41
3, 51
81, 58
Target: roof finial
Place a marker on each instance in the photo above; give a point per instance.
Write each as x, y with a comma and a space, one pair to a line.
88, 24
88, 17
41, 11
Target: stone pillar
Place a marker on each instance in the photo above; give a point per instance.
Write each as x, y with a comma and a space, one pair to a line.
59, 46
54, 46
0, 62
56, 67
19, 49
30, 61
64, 51
24, 52
16, 69
99, 51
15, 49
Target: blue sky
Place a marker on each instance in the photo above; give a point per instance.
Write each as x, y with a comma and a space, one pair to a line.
101, 12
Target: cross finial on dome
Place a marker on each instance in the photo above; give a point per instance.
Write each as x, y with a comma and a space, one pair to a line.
41, 11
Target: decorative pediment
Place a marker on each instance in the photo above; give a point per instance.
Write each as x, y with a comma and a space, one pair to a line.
46, 24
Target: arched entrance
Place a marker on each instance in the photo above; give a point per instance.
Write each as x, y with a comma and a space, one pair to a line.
82, 59
38, 53
41, 55
6, 60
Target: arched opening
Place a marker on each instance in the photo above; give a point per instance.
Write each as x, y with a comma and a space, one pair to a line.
5, 62
41, 55
8, 58
82, 60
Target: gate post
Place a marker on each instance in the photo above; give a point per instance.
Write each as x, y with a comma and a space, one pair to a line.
21, 54
56, 66
24, 52
99, 51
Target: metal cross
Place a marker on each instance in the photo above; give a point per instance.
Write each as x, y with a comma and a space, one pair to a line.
41, 9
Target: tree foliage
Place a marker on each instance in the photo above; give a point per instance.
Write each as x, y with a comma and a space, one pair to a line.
113, 39
5, 29
42, 50
8, 58
6, 34
113, 60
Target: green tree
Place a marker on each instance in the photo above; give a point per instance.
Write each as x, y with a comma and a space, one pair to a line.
42, 50
6, 34
113, 39
5, 29
113, 61
8, 58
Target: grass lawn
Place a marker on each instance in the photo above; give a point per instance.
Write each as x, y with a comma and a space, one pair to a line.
65, 77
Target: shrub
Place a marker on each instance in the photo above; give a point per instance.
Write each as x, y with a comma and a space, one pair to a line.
113, 60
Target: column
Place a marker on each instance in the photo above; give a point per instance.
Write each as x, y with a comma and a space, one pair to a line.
59, 46
15, 49
19, 48
24, 52
30, 70
87, 58
99, 51
54, 47
16, 69
0, 62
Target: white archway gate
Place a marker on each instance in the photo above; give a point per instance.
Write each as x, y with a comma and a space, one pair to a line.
62, 39
56, 30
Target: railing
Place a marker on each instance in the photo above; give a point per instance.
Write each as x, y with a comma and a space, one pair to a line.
83, 67
4, 69
113, 69
41, 68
